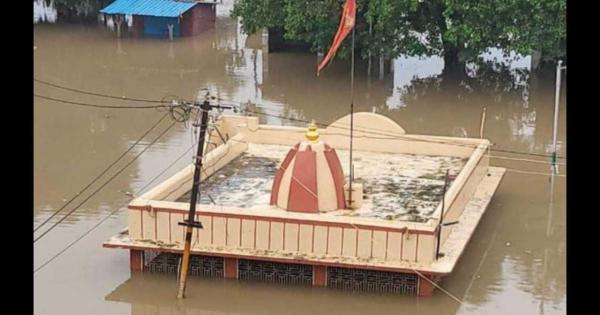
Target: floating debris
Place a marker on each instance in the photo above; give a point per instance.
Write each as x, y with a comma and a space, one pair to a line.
411, 192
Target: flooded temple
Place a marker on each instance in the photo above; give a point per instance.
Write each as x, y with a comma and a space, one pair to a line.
276, 205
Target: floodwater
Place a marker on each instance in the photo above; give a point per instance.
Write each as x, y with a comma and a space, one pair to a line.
515, 263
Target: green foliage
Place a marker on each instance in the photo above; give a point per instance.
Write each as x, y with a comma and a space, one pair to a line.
79, 8
260, 13
540, 25
460, 29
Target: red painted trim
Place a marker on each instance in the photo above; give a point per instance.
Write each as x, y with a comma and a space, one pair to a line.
283, 260
303, 184
338, 176
279, 174
319, 276
296, 221
425, 287
136, 260
231, 268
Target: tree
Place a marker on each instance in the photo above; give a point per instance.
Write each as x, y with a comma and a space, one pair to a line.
78, 9
459, 30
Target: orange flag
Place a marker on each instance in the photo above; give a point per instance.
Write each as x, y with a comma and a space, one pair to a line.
346, 25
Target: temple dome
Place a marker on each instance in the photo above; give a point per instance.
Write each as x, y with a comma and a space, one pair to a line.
310, 178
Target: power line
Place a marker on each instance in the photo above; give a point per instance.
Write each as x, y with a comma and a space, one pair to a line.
389, 134
238, 105
114, 211
106, 183
179, 111
524, 160
491, 156
109, 215
122, 98
118, 208
103, 172
514, 170
96, 105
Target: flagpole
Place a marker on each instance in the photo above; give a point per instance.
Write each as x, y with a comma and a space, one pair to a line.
351, 169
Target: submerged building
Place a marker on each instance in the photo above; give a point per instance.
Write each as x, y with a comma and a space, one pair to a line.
164, 18
276, 205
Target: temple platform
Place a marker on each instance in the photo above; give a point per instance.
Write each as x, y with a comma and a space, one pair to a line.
388, 243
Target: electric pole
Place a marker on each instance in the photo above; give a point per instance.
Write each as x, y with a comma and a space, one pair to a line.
191, 223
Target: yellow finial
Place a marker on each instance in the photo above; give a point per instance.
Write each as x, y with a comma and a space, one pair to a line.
312, 134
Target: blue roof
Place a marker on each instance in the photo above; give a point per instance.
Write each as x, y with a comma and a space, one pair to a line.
165, 8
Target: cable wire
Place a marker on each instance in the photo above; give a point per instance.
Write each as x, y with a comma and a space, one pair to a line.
95, 105
103, 185
122, 98
391, 135
524, 160
109, 215
514, 170
102, 173
239, 104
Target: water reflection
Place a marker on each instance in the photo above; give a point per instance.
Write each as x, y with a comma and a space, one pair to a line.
73, 144
155, 294
44, 11
523, 260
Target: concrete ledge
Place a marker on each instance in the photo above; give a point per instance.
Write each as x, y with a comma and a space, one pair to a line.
452, 248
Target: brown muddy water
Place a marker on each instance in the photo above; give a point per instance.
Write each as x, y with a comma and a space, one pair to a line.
515, 262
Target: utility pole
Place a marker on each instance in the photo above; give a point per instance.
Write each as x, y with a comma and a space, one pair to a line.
559, 69
190, 223
351, 166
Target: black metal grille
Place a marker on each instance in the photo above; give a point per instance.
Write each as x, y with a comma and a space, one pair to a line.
162, 263
207, 266
275, 272
372, 281
204, 266
150, 255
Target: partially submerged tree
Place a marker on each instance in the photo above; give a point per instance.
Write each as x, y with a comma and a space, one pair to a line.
458, 30
78, 9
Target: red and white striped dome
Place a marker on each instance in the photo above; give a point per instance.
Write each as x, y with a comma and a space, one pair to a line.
310, 179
